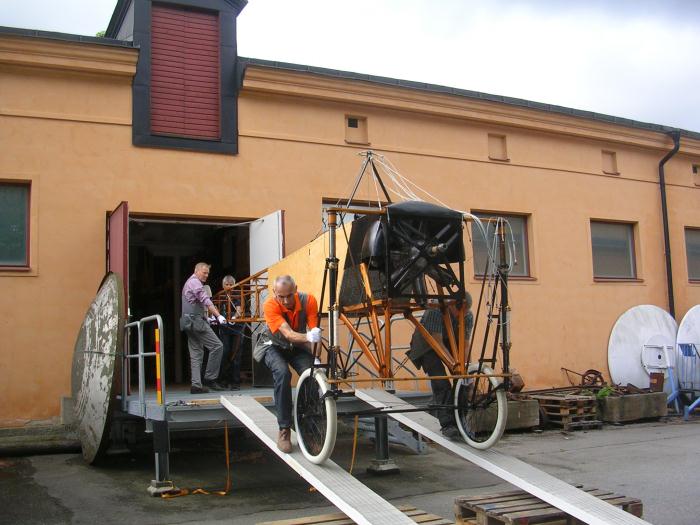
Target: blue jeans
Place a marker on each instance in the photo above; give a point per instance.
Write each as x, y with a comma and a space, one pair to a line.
278, 360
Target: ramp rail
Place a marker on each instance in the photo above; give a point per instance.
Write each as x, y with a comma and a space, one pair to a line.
349, 495
544, 486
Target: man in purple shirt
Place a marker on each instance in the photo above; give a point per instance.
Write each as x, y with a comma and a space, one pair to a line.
196, 305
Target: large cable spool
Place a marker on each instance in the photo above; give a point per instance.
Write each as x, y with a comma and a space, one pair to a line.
642, 341
94, 370
688, 349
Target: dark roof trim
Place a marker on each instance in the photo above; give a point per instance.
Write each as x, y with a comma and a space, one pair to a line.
122, 8
118, 15
66, 37
434, 88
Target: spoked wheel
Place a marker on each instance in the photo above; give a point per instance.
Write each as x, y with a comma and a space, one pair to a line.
480, 408
315, 417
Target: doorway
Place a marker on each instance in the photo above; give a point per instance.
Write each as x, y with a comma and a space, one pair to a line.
162, 256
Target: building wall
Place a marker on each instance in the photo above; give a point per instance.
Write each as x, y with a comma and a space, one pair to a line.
65, 114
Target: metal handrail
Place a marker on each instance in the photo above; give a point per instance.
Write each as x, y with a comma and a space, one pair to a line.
158, 354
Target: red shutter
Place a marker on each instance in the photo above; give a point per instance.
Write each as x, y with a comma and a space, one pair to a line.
184, 73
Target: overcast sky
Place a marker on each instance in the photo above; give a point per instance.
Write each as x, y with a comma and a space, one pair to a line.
630, 58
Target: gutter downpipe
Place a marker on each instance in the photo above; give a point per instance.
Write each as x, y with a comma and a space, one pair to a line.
676, 136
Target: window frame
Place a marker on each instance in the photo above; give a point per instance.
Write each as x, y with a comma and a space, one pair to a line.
694, 280
360, 135
229, 79
633, 225
28, 228
526, 217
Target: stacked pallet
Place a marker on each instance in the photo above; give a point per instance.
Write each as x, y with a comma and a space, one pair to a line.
518, 507
571, 411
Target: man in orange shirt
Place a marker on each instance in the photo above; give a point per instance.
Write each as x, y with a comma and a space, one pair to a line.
291, 320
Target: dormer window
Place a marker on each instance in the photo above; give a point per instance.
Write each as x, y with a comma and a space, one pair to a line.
186, 87
185, 73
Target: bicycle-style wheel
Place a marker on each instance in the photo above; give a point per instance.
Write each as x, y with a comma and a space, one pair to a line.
315, 416
480, 408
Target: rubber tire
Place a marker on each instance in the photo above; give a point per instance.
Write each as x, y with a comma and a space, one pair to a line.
331, 416
501, 407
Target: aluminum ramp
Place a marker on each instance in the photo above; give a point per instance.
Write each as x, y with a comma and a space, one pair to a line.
357, 501
571, 500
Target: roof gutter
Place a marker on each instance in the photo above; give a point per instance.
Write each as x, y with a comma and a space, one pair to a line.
676, 136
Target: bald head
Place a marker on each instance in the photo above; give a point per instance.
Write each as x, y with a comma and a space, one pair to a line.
284, 290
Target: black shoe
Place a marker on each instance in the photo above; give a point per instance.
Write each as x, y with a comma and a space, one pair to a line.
450, 431
215, 385
235, 386
199, 390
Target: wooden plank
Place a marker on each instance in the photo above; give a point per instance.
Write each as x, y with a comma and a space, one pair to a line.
549, 514
506, 508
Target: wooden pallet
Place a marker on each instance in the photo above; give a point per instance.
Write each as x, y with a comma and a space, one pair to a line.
519, 507
569, 411
417, 515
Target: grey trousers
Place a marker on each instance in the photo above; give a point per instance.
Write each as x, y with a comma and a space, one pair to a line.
197, 342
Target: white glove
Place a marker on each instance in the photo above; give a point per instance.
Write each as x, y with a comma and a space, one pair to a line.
221, 319
314, 335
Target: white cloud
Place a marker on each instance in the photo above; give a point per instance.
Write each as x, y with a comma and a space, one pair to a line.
633, 59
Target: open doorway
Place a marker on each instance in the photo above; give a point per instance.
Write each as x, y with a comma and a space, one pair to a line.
162, 256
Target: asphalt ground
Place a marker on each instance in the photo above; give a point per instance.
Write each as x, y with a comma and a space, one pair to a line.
658, 462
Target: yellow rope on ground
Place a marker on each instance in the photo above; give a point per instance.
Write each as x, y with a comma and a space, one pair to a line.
176, 493
354, 444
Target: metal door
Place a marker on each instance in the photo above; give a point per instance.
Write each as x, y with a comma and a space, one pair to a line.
266, 248
118, 246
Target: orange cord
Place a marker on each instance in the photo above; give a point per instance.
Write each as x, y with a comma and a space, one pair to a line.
184, 492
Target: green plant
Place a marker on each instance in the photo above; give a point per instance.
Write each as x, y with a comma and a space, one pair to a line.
604, 392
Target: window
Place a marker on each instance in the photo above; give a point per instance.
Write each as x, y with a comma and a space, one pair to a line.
696, 174
356, 130
14, 225
610, 163
518, 227
497, 147
613, 250
185, 73
692, 250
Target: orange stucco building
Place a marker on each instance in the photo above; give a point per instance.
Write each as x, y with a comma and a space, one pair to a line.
288, 140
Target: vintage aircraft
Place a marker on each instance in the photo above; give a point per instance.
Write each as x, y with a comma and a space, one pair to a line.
396, 261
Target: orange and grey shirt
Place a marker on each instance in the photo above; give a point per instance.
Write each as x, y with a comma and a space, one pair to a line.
300, 318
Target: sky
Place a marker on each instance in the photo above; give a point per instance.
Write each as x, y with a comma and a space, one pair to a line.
629, 58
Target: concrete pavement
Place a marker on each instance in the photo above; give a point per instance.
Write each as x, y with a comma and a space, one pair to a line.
657, 462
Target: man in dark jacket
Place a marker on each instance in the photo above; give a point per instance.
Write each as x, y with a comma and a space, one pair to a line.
423, 356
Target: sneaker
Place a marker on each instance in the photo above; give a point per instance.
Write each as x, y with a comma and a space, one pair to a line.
450, 431
198, 390
214, 385
284, 440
